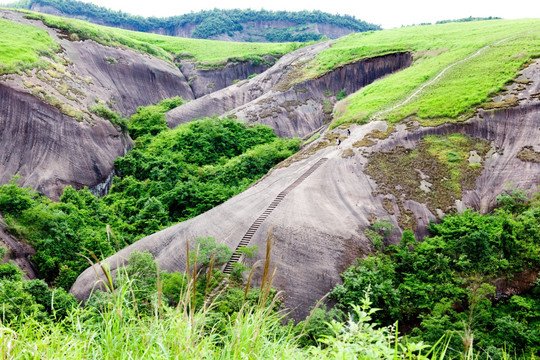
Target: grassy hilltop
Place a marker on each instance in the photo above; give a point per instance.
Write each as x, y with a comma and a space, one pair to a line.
478, 59
23, 44
234, 23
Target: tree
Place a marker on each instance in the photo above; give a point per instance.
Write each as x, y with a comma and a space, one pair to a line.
206, 249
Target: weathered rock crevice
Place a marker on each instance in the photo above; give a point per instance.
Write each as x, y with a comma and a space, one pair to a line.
206, 81
103, 188
301, 109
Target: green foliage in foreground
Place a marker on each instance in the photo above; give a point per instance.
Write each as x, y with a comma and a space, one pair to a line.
34, 298
176, 175
446, 283
512, 44
21, 47
204, 51
117, 325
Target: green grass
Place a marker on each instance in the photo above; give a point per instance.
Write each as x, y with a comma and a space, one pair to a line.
165, 47
435, 47
212, 51
21, 46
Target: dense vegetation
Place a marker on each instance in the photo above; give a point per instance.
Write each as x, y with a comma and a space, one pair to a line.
134, 318
500, 48
21, 47
147, 313
170, 176
447, 282
22, 298
208, 23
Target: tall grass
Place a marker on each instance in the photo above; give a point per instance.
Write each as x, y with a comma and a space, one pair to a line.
118, 330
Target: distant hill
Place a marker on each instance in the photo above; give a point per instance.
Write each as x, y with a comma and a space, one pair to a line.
229, 25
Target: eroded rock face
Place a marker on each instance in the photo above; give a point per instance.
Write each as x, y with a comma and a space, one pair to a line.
305, 107
206, 81
292, 110
51, 150
232, 97
319, 225
48, 134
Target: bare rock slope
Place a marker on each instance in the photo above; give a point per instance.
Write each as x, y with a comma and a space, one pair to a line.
47, 133
318, 203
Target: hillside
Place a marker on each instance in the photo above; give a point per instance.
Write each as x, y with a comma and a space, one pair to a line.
66, 73
414, 183
370, 176
229, 25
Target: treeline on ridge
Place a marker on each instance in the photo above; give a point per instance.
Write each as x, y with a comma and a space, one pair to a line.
208, 22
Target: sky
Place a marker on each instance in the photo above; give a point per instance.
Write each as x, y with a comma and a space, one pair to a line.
387, 13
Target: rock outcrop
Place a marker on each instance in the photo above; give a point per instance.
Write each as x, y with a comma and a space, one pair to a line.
48, 134
302, 108
319, 225
51, 150
206, 81
292, 108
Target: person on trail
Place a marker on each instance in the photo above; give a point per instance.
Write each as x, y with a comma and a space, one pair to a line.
338, 142
348, 132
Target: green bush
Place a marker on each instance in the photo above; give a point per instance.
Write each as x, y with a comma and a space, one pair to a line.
341, 95
446, 282
106, 113
150, 120
14, 199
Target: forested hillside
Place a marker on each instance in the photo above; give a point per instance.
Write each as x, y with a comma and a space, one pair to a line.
237, 24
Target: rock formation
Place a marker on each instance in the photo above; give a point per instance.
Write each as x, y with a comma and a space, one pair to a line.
318, 224
293, 109
47, 133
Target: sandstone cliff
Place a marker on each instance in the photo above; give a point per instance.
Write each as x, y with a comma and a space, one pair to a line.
292, 110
